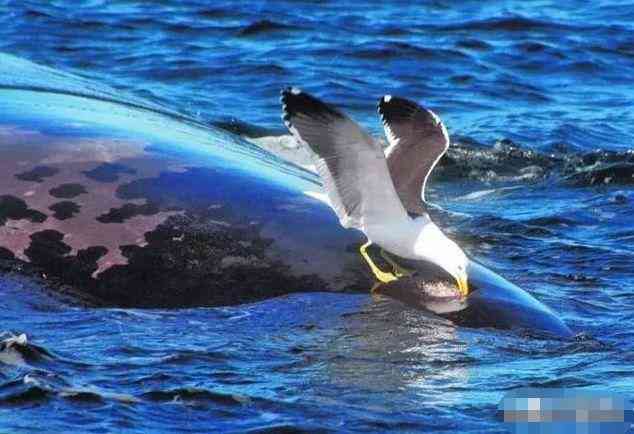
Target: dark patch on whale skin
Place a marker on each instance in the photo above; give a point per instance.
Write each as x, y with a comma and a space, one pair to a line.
67, 191
6, 254
200, 264
212, 254
127, 211
49, 252
187, 262
86, 259
109, 172
64, 210
46, 243
14, 208
37, 174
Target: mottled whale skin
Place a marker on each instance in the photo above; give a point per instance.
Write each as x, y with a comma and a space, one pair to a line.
136, 208
133, 207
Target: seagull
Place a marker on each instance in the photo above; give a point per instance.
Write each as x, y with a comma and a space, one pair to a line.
382, 194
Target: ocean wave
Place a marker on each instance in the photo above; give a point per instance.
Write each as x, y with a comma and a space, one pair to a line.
265, 27
17, 393
515, 23
403, 50
186, 395
17, 350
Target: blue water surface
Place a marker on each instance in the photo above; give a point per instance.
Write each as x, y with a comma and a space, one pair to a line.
536, 94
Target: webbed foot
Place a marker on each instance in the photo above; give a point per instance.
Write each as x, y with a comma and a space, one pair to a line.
396, 268
382, 276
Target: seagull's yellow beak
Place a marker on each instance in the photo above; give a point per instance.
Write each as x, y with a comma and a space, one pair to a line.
463, 285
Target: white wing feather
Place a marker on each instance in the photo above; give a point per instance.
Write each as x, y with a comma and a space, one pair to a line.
350, 163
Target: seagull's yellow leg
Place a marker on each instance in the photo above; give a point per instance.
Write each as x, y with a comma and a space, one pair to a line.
380, 275
397, 269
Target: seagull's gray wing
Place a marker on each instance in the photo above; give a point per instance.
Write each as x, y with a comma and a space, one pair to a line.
417, 140
350, 163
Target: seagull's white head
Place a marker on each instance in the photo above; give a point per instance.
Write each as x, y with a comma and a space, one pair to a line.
455, 261
434, 246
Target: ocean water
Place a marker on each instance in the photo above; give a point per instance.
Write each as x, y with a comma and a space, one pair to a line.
537, 96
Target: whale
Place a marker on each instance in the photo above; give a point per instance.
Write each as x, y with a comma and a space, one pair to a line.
124, 203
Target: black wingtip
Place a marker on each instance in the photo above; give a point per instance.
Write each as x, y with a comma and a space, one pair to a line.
295, 101
395, 109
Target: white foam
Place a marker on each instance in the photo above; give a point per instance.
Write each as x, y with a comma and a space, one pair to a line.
11, 356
